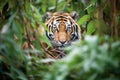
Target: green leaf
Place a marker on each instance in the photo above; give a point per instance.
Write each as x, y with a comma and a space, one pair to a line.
21, 75
17, 30
91, 27
44, 7
61, 5
36, 15
91, 9
7, 25
28, 8
83, 19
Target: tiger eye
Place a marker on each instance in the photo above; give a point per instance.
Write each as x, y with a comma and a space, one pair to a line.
68, 28
55, 29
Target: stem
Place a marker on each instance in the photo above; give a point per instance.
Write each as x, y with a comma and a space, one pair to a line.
56, 5
114, 19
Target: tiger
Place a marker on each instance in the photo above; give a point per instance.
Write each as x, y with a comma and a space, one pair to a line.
62, 28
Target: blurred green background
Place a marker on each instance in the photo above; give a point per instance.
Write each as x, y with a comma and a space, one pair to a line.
96, 57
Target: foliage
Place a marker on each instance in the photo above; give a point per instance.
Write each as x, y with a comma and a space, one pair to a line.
94, 58
88, 61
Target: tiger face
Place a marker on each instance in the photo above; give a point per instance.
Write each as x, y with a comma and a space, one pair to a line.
62, 28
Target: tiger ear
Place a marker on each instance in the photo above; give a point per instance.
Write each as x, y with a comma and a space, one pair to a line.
74, 15
47, 15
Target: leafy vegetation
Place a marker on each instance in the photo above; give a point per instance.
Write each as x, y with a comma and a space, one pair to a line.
24, 57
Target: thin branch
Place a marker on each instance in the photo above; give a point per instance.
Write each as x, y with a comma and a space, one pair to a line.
114, 19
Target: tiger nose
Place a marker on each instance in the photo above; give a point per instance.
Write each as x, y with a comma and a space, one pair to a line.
62, 39
62, 42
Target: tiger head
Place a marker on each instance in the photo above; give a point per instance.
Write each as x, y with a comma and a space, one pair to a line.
62, 28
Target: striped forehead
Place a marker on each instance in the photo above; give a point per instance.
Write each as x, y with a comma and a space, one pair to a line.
61, 20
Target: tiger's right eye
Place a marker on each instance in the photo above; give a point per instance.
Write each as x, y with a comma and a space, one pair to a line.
55, 29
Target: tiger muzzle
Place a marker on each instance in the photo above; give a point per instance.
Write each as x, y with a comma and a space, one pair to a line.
62, 37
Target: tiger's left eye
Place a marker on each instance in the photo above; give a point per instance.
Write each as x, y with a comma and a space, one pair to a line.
68, 28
